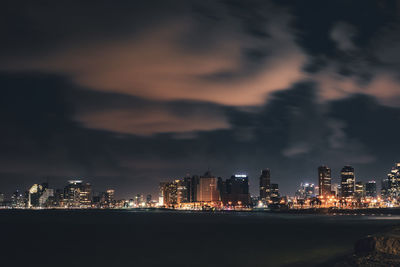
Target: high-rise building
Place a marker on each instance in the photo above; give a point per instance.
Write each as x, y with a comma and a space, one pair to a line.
148, 199
265, 185
324, 181
34, 194
109, 198
18, 200
85, 195
359, 190
235, 191
385, 188
72, 193
305, 191
45, 197
347, 181
207, 190
274, 191
139, 199
370, 189
169, 193
394, 182
182, 191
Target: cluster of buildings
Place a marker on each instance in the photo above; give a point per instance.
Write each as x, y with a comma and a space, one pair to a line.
75, 195
348, 193
211, 192
208, 192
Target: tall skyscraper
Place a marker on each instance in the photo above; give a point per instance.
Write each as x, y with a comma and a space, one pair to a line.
72, 193
265, 184
393, 178
370, 189
347, 181
359, 190
324, 181
207, 190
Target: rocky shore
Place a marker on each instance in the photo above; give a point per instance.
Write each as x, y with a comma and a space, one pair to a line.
378, 250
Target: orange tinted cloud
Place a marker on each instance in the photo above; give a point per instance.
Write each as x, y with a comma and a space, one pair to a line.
155, 66
148, 121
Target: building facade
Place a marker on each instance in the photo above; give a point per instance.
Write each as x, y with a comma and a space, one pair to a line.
347, 182
324, 181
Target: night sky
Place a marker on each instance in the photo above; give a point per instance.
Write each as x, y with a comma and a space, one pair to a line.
125, 94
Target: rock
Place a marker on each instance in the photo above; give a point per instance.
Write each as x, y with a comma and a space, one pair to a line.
387, 243
377, 250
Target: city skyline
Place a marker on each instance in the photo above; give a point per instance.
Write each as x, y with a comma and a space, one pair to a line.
265, 187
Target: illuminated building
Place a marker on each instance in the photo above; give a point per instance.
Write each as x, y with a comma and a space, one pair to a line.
109, 198
182, 191
207, 190
265, 184
139, 199
359, 190
169, 191
235, 191
72, 193
324, 181
191, 185
85, 195
18, 200
347, 182
305, 191
33, 195
1, 199
370, 189
274, 190
45, 197
148, 199
393, 180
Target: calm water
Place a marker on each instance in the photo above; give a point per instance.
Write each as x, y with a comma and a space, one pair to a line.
134, 238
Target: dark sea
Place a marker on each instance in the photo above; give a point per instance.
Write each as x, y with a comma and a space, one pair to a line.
166, 238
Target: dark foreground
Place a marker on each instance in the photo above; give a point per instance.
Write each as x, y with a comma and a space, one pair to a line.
165, 238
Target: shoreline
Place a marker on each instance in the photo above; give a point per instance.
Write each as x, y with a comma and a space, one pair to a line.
317, 211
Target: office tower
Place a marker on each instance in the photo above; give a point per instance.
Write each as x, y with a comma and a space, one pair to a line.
139, 199
359, 190
265, 184
324, 181
109, 198
207, 190
347, 181
182, 191
72, 193
18, 200
370, 189
385, 188
1, 199
394, 182
33, 195
148, 199
235, 191
189, 185
306, 190
274, 191
169, 193
85, 195
46, 196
